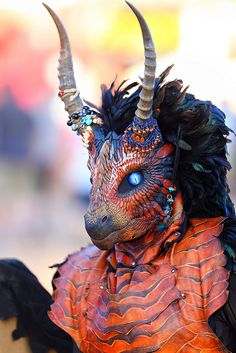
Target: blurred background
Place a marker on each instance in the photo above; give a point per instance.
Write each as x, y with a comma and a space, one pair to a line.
44, 181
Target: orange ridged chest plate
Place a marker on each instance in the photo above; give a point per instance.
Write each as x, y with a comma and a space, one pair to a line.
162, 306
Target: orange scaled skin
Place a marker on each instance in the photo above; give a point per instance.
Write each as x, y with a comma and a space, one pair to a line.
132, 214
147, 303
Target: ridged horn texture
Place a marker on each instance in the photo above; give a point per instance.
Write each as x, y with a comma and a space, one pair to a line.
69, 93
144, 107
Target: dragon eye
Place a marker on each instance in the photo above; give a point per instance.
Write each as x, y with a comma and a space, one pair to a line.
135, 178
130, 182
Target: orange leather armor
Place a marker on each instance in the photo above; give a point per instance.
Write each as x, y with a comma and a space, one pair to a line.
134, 299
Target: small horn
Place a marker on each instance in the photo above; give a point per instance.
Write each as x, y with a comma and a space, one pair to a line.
144, 106
68, 91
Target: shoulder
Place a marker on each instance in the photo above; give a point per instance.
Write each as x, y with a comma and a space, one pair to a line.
228, 241
201, 234
200, 260
72, 282
223, 321
80, 266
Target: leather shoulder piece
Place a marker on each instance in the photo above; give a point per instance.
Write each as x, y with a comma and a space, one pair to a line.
200, 260
223, 321
82, 269
228, 240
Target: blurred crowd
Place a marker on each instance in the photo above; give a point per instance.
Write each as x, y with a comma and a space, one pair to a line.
44, 182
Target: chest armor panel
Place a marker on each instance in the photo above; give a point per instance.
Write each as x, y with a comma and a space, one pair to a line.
162, 306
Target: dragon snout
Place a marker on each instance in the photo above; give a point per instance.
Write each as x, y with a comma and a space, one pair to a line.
99, 226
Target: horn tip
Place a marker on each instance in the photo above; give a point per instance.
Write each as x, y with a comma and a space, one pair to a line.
130, 5
45, 5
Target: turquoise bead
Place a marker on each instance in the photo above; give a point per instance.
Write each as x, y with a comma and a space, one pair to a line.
171, 188
88, 120
74, 127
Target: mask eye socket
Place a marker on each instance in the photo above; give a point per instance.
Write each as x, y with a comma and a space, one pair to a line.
130, 182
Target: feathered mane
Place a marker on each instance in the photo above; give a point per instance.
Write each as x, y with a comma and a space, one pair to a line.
197, 127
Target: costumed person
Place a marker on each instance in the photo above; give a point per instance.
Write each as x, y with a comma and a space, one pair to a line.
160, 276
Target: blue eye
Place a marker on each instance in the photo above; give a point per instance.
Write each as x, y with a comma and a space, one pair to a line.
130, 182
135, 178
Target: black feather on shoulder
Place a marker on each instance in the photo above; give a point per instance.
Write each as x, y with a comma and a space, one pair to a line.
22, 296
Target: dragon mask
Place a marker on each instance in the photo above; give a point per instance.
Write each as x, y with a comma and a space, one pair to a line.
138, 143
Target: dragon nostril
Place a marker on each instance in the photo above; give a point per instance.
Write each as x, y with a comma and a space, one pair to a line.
104, 219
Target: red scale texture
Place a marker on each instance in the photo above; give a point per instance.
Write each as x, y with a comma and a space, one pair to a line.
150, 302
133, 213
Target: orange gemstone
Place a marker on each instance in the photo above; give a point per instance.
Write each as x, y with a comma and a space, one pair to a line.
135, 137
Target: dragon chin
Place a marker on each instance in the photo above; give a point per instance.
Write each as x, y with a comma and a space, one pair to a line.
136, 228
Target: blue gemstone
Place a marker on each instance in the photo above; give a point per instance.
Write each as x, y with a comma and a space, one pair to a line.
135, 178
161, 227
168, 216
78, 133
168, 208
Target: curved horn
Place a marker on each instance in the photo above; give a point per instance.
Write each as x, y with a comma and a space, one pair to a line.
144, 106
68, 91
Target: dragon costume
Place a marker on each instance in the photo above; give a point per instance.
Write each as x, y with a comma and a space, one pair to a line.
160, 275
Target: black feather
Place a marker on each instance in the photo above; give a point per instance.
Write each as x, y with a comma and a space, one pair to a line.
22, 296
202, 167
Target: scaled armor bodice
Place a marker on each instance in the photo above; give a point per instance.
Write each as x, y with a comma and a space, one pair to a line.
129, 299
